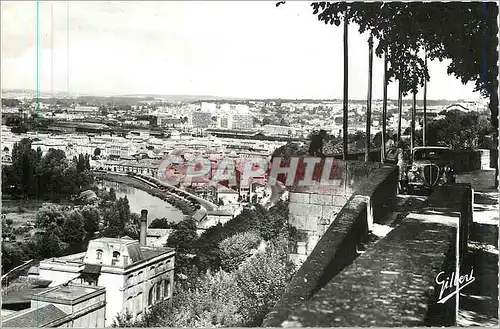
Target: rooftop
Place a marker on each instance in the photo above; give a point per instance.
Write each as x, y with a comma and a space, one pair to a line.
70, 294
39, 317
151, 252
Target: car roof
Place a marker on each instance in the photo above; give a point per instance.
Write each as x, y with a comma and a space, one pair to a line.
431, 148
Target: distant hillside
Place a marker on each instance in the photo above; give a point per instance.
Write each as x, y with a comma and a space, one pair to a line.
135, 98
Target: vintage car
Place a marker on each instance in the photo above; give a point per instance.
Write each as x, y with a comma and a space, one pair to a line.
431, 166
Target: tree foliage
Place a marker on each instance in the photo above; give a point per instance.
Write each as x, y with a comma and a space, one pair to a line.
458, 130
47, 177
463, 32
235, 249
224, 299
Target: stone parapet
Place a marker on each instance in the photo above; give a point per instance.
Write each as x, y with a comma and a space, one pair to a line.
391, 284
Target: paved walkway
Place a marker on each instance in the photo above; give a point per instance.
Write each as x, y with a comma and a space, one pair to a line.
479, 300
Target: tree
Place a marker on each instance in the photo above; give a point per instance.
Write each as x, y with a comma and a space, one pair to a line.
80, 165
50, 217
23, 162
345, 107
184, 236
48, 246
369, 99
261, 280
12, 256
112, 195
87, 162
73, 232
123, 208
132, 227
424, 130
235, 249
91, 220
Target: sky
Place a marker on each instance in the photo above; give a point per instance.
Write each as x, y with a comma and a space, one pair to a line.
221, 48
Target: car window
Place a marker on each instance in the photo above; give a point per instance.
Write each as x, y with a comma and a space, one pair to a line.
430, 155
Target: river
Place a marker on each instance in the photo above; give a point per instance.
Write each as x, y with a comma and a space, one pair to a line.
139, 200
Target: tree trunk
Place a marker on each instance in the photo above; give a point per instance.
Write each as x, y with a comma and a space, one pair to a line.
384, 110
346, 86
494, 121
369, 99
413, 112
400, 105
424, 128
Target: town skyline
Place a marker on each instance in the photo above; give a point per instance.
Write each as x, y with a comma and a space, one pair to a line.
88, 49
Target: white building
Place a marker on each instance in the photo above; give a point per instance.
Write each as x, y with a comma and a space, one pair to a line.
135, 276
209, 107
240, 121
201, 119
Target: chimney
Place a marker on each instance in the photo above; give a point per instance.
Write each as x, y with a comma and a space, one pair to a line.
144, 227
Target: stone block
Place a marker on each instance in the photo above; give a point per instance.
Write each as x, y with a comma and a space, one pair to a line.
298, 221
330, 212
296, 197
321, 199
297, 259
312, 241
321, 229
339, 200
312, 223
302, 248
304, 209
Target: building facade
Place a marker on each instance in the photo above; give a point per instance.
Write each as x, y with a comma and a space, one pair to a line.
201, 119
65, 306
240, 121
135, 276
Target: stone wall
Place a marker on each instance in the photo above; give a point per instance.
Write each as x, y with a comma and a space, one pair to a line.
391, 284
313, 208
493, 158
464, 161
337, 247
335, 250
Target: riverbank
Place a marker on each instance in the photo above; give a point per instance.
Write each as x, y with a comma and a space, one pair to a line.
184, 206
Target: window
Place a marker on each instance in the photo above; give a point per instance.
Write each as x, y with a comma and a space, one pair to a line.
130, 280
166, 289
99, 254
116, 258
130, 305
138, 303
158, 291
151, 296
139, 277
152, 270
